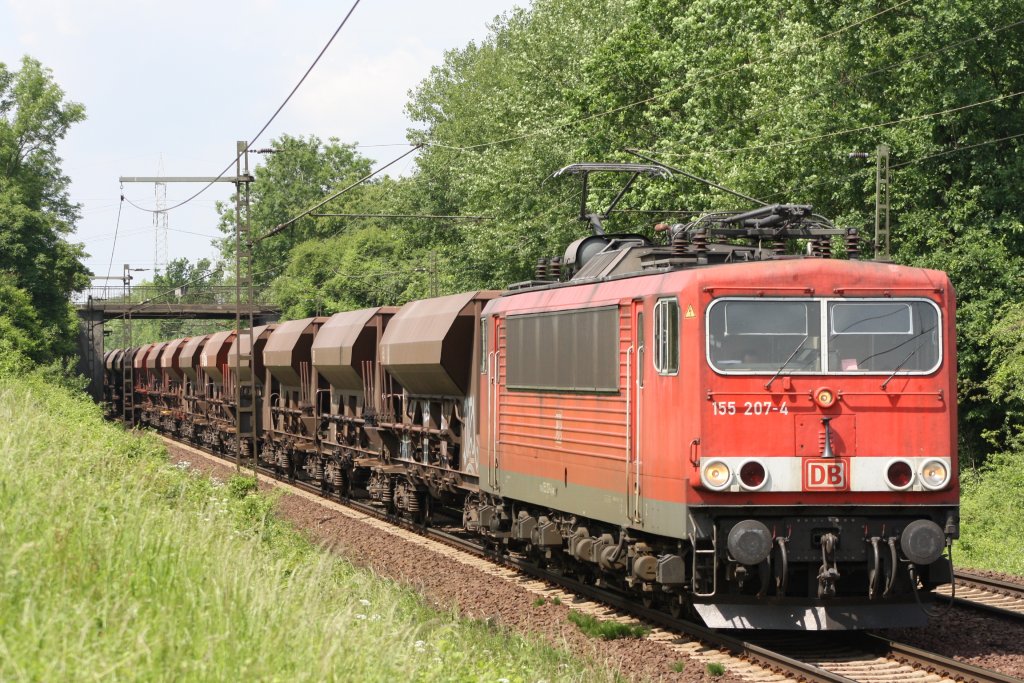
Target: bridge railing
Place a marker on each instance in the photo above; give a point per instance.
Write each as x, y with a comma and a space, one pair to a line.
209, 294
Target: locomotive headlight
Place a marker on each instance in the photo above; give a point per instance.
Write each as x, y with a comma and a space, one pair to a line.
716, 475
934, 474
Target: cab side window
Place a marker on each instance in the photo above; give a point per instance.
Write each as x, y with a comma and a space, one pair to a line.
666, 336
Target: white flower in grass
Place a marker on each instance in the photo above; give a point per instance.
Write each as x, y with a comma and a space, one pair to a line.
420, 646
182, 465
374, 617
364, 602
361, 617
503, 680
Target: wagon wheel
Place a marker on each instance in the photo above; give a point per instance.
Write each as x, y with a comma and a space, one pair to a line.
675, 606
422, 518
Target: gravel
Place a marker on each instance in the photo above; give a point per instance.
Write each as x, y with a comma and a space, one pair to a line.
990, 642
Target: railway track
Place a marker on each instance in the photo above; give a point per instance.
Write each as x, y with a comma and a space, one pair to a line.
835, 658
982, 593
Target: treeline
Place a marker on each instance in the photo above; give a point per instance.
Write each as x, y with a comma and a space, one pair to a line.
766, 97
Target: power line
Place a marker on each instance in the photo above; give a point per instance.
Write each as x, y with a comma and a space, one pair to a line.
983, 34
805, 186
749, 113
140, 231
823, 136
400, 215
281, 226
653, 98
956, 149
273, 116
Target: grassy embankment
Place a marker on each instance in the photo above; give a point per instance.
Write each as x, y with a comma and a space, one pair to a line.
116, 565
992, 516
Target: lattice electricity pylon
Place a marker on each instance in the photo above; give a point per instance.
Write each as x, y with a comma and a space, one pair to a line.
160, 250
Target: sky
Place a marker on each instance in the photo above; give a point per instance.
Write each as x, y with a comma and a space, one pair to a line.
173, 85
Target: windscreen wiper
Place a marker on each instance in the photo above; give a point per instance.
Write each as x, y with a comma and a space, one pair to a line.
899, 366
783, 366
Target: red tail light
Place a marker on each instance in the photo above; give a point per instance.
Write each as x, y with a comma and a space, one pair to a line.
752, 474
899, 474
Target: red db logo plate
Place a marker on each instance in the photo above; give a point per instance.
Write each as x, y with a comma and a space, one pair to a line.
827, 475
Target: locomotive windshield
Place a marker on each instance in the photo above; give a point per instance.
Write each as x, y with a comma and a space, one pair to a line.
805, 336
762, 336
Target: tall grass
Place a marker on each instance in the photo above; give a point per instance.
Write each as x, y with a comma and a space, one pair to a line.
116, 565
992, 515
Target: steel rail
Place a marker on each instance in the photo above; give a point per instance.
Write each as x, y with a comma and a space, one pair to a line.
990, 584
996, 588
931, 661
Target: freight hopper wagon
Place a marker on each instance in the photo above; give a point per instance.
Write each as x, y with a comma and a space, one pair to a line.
250, 371
144, 382
292, 391
193, 389
170, 395
389, 413
218, 431
344, 354
113, 383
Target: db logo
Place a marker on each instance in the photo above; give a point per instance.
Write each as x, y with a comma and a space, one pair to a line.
827, 475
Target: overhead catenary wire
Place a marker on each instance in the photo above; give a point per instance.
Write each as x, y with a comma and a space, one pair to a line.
955, 150
930, 53
141, 231
266, 125
752, 114
280, 227
847, 176
117, 226
825, 136
401, 215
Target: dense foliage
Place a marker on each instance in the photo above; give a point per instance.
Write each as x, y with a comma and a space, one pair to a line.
767, 97
39, 269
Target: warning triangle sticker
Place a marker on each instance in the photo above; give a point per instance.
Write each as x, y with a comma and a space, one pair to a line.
689, 311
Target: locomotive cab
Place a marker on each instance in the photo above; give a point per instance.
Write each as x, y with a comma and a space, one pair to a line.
826, 470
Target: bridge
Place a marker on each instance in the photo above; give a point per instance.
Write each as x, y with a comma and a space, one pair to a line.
97, 305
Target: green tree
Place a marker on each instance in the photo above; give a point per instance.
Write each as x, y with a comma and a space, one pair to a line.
300, 172
36, 212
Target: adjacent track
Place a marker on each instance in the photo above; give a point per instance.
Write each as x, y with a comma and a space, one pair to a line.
860, 657
982, 593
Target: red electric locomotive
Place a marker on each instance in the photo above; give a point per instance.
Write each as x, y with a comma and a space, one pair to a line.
767, 440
